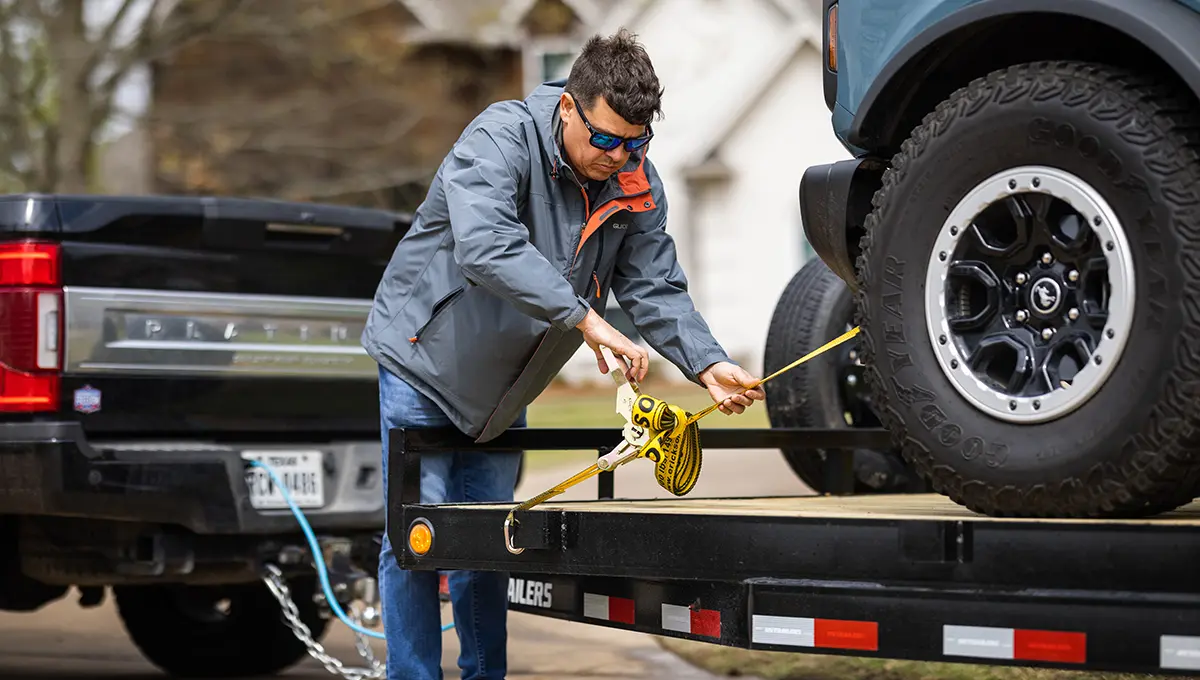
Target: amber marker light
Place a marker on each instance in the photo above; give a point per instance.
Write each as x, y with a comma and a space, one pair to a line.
420, 537
832, 31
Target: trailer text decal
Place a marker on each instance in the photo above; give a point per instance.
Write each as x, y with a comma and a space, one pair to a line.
530, 593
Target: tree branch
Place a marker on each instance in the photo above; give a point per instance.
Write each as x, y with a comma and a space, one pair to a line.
106, 43
153, 41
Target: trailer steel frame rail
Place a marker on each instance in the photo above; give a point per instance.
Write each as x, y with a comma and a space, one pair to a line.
905, 576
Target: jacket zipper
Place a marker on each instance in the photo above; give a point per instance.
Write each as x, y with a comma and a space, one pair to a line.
438, 307
596, 266
587, 215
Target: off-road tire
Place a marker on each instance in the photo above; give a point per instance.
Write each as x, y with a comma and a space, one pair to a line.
252, 640
1132, 448
814, 308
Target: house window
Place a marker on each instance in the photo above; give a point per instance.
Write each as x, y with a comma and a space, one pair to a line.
556, 65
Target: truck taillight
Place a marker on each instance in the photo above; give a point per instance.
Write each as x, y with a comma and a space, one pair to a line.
30, 326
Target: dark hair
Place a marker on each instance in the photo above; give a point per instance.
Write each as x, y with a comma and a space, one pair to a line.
619, 69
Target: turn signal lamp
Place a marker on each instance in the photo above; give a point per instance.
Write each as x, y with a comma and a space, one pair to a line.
831, 30
420, 537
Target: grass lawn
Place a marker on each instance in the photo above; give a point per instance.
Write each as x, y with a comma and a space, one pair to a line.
596, 407
726, 662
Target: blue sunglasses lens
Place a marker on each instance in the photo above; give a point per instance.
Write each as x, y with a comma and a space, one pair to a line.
635, 144
606, 142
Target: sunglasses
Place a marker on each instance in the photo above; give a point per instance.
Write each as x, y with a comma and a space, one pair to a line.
608, 142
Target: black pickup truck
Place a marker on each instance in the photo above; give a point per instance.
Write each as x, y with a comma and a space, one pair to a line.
149, 348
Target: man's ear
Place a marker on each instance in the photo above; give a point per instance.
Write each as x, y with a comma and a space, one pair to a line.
566, 106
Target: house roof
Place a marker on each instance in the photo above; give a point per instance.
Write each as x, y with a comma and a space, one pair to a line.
485, 21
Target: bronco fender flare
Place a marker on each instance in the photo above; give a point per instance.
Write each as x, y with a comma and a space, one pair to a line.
1165, 27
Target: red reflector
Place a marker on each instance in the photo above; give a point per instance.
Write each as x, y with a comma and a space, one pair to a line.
1049, 645
835, 634
706, 622
620, 610
27, 392
29, 264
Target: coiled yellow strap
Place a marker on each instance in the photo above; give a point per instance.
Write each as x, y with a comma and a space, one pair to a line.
674, 448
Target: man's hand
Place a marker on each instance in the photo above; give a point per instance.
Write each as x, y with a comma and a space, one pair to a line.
725, 382
597, 332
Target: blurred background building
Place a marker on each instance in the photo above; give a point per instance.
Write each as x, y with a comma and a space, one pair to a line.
357, 101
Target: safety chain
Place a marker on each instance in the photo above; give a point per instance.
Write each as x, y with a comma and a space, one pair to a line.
274, 580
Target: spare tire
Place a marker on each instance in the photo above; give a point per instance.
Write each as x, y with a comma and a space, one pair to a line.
827, 391
1029, 294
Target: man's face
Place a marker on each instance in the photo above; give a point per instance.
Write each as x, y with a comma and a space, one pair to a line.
586, 158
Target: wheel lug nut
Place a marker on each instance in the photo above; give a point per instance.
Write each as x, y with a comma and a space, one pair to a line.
1073, 276
1022, 315
1047, 333
1021, 278
1047, 258
1073, 314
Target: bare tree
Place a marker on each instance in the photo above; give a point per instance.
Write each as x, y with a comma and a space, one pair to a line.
60, 67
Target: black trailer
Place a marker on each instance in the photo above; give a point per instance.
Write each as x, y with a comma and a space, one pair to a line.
907, 576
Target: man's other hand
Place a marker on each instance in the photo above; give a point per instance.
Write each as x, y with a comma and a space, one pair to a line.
726, 382
597, 332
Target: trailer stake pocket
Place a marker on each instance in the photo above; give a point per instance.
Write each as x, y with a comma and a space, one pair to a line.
911, 576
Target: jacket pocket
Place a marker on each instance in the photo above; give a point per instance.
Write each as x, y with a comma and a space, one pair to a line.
438, 307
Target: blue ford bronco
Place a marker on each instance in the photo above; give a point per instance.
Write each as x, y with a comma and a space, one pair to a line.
1018, 235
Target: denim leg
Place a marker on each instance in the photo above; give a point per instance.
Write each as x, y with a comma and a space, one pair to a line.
480, 598
411, 609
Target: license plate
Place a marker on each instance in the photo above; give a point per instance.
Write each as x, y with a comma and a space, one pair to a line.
302, 474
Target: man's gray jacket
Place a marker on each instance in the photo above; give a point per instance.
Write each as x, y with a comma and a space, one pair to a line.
478, 305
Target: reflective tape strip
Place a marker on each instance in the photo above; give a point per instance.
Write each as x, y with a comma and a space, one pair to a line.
1179, 652
795, 631
607, 608
1016, 644
838, 634
706, 622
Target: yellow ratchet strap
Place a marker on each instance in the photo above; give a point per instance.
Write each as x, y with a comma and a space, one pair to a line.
673, 445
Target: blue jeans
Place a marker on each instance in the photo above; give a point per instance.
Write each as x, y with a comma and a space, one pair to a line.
411, 607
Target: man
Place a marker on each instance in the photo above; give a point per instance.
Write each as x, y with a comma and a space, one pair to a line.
541, 208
